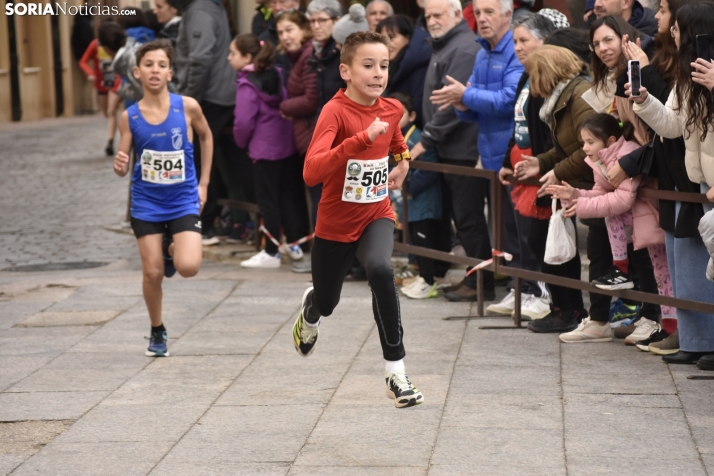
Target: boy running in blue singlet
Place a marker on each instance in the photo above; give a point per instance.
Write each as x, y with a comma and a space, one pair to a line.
166, 198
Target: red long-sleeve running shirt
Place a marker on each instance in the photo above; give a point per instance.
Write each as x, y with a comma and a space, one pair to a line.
341, 135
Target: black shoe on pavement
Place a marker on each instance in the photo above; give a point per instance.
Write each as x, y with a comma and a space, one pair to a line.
706, 362
109, 149
557, 321
683, 357
644, 345
468, 294
614, 279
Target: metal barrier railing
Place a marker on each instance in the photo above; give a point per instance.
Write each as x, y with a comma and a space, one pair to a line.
496, 210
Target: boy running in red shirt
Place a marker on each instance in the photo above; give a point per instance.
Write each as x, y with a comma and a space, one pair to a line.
349, 152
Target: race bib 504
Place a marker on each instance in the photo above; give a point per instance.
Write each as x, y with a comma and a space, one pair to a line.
164, 168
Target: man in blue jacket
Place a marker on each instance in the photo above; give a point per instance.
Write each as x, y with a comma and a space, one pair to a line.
489, 99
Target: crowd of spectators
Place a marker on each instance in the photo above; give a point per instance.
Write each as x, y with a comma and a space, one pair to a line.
490, 84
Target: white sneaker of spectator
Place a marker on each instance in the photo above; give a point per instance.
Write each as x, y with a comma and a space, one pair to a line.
506, 306
533, 308
262, 260
294, 251
412, 284
644, 328
422, 290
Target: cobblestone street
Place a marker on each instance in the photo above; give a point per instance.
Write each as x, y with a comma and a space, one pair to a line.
78, 396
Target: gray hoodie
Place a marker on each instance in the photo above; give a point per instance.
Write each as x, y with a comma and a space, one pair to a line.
201, 54
454, 55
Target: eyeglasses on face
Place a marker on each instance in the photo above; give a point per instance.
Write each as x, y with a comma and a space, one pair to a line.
319, 21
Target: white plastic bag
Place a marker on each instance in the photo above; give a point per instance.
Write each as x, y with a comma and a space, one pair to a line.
560, 247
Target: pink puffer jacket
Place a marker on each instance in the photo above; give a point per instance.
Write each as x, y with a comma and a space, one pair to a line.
604, 200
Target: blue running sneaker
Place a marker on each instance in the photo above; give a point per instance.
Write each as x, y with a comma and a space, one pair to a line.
622, 314
157, 344
169, 269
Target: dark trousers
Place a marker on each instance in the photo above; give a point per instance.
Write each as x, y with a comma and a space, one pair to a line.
600, 256
466, 197
280, 195
332, 259
563, 298
515, 241
232, 171
432, 234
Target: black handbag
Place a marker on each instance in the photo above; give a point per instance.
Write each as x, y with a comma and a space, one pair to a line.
647, 157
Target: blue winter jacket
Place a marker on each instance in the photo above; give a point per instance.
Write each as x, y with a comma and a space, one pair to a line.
491, 99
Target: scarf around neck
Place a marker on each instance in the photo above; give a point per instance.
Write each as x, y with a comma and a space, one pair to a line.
546, 111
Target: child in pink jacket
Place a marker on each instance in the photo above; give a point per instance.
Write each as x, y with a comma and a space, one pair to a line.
626, 214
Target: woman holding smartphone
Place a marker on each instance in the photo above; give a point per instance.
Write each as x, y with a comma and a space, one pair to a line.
686, 253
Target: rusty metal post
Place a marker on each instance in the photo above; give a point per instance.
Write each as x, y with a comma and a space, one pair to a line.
479, 292
517, 304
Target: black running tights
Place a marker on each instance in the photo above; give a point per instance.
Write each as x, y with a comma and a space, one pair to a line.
331, 260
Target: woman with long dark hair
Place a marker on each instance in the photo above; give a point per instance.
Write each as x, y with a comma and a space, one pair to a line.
658, 77
688, 112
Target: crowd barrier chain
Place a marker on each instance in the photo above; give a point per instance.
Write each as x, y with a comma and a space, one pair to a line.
495, 264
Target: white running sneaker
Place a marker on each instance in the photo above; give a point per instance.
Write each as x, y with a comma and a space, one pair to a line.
587, 331
534, 307
262, 260
294, 251
506, 305
644, 328
422, 290
412, 284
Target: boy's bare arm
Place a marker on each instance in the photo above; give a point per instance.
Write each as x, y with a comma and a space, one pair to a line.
121, 161
200, 125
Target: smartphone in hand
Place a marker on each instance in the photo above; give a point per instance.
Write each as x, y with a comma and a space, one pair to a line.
704, 48
633, 74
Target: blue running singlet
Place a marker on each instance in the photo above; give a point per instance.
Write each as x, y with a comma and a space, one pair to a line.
164, 185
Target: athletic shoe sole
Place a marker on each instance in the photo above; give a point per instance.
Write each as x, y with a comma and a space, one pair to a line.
156, 354
643, 348
296, 327
615, 287
657, 351
405, 402
496, 309
585, 341
534, 316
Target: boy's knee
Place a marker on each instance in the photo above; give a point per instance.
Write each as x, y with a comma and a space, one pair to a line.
153, 274
380, 272
188, 271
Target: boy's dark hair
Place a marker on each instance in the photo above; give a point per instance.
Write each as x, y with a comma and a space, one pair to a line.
355, 40
405, 99
263, 52
111, 35
399, 23
162, 44
603, 126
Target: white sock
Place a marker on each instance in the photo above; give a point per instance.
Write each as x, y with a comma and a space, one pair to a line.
310, 324
393, 366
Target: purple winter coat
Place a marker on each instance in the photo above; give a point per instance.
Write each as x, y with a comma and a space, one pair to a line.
257, 123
